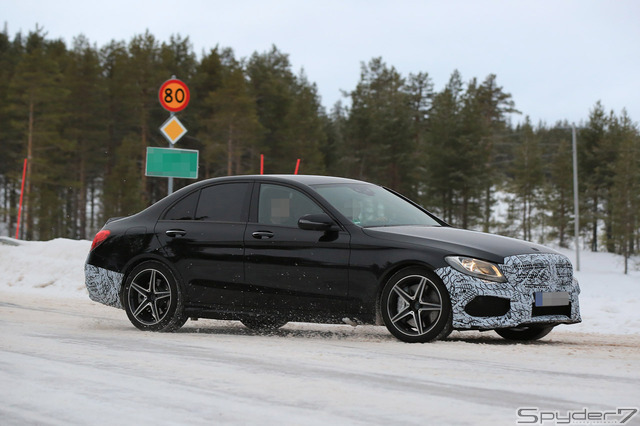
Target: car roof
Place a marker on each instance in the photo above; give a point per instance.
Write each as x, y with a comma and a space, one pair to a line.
301, 179
305, 180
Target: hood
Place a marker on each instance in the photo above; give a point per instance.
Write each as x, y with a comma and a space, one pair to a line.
455, 241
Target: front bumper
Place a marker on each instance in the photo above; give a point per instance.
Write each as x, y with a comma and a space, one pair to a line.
486, 305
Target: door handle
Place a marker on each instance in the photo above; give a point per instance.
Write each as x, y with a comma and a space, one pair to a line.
175, 233
262, 234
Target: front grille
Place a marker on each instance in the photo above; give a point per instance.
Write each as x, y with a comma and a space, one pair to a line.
539, 271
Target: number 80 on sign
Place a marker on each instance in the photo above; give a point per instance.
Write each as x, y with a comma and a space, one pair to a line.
174, 95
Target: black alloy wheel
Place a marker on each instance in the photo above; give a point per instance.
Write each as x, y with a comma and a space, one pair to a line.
415, 306
152, 298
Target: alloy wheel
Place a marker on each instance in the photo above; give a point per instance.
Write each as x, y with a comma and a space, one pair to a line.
149, 297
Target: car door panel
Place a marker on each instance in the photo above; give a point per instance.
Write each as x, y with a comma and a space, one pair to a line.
290, 269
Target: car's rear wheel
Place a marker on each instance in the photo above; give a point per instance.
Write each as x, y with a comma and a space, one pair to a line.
152, 298
524, 333
263, 323
415, 306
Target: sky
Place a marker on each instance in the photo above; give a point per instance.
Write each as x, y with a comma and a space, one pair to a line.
556, 58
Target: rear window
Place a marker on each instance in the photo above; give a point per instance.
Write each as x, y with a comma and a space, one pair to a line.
223, 203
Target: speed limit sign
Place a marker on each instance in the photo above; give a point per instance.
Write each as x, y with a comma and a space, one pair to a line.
174, 95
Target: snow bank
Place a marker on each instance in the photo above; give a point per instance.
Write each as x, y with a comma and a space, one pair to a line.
50, 268
609, 299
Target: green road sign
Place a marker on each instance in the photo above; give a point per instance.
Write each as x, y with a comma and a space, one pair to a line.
171, 162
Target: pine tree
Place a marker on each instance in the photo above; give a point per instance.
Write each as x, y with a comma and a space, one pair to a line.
207, 79
625, 194
233, 124
442, 173
145, 68
37, 109
527, 175
595, 159
11, 160
87, 129
288, 109
419, 89
494, 105
560, 195
379, 128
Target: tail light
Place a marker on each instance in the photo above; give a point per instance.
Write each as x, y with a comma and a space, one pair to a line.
99, 238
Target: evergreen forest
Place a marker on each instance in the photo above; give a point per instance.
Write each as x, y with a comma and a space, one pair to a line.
83, 115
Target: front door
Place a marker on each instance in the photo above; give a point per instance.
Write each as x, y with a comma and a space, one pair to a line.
290, 269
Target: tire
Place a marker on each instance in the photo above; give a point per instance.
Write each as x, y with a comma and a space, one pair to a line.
263, 323
415, 306
153, 299
524, 333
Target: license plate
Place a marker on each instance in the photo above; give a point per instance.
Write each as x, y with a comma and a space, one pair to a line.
560, 298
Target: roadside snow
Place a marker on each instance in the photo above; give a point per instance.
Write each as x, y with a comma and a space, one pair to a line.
55, 268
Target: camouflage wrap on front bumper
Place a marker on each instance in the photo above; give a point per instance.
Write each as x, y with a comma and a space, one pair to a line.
526, 275
103, 285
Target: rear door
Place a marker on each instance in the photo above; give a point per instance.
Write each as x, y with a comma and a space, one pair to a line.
202, 235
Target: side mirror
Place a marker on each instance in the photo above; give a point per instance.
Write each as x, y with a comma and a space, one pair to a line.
317, 222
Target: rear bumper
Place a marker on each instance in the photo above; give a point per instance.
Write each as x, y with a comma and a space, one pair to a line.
103, 285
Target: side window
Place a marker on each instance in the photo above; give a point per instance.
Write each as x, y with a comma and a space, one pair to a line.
223, 203
281, 205
183, 209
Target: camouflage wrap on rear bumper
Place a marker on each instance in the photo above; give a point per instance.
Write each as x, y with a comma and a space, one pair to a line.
526, 275
103, 285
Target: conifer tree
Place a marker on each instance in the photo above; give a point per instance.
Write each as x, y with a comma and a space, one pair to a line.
527, 175
594, 160
286, 106
440, 158
625, 194
560, 195
379, 128
37, 108
233, 125
86, 128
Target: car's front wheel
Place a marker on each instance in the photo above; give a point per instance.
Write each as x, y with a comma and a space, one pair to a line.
152, 298
524, 333
415, 306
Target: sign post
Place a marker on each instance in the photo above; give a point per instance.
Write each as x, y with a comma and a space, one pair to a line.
174, 96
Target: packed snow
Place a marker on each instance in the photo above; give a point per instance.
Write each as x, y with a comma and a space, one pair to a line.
65, 360
609, 299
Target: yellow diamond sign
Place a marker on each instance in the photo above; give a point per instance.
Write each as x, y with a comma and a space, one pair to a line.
173, 130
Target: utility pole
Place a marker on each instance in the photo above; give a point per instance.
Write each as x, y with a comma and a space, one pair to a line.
576, 207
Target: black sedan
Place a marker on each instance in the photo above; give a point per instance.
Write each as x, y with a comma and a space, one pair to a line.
271, 249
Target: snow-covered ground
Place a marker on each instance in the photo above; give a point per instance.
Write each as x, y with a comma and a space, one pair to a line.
609, 299
66, 360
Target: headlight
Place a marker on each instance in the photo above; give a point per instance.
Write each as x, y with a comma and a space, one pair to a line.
476, 268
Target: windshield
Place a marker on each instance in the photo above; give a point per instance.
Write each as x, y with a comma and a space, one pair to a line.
369, 205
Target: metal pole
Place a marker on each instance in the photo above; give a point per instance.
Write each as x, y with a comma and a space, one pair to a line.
170, 184
576, 207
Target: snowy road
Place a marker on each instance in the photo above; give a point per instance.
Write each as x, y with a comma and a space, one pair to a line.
71, 361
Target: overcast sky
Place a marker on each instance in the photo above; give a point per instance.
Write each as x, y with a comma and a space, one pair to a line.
556, 58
